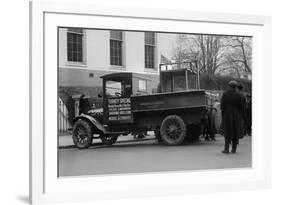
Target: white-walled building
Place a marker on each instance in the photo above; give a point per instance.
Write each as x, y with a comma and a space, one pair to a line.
86, 54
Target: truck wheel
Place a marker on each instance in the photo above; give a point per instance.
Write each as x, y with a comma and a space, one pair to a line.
158, 135
173, 130
109, 139
82, 134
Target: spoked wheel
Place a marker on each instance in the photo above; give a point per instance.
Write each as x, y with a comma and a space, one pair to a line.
109, 139
173, 130
82, 134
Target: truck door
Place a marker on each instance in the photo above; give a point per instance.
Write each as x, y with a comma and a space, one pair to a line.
117, 102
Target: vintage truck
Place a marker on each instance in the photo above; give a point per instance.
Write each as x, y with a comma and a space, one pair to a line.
174, 113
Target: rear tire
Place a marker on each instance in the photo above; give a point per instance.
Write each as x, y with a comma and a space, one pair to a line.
173, 130
82, 134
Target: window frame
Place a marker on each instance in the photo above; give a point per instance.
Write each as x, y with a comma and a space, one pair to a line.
83, 45
154, 50
122, 49
145, 83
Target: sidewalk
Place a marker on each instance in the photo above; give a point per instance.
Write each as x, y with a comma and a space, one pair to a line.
65, 141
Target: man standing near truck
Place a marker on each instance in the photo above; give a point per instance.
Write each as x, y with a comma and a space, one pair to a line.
231, 108
84, 105
248, 114
243, 119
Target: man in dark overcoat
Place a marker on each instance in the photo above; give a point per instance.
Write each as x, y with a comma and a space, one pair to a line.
248, 114
84, 105
232, 108
243, 120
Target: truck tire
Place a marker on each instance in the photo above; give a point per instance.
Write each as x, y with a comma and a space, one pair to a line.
82, 134
173, 130
109, 139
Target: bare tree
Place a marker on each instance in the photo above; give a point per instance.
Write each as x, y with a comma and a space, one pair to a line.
216, 54
239, 54
180, 51
205, 48
209, 53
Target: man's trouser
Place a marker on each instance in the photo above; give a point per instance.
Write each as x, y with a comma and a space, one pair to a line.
234, 143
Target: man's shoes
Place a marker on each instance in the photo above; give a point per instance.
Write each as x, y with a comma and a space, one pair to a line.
225, 151
234, 147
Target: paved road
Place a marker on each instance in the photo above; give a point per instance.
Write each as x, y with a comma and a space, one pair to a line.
151, 156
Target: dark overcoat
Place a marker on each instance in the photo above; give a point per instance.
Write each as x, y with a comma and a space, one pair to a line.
232, 114
84, 105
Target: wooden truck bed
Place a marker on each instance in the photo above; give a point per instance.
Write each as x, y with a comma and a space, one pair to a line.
168, 101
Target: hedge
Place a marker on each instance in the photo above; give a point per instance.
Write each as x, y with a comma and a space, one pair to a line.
217, 82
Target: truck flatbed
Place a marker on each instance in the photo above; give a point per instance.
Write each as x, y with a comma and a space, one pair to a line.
169, 100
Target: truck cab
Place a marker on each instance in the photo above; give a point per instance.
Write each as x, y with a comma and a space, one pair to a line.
117, 91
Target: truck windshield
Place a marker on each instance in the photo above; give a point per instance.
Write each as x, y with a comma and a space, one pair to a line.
113, 88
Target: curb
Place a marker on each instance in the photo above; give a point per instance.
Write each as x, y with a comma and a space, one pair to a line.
97, 144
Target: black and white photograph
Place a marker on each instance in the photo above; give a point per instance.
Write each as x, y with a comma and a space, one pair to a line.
148, 102
140, 102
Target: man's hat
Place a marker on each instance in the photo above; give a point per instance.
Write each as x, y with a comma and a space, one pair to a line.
240, 86
233, 84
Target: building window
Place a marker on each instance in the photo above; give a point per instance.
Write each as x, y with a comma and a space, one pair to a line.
149, 48
75, 45
116, 48
142, 85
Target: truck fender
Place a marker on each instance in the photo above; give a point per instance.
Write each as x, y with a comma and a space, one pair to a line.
91, 120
